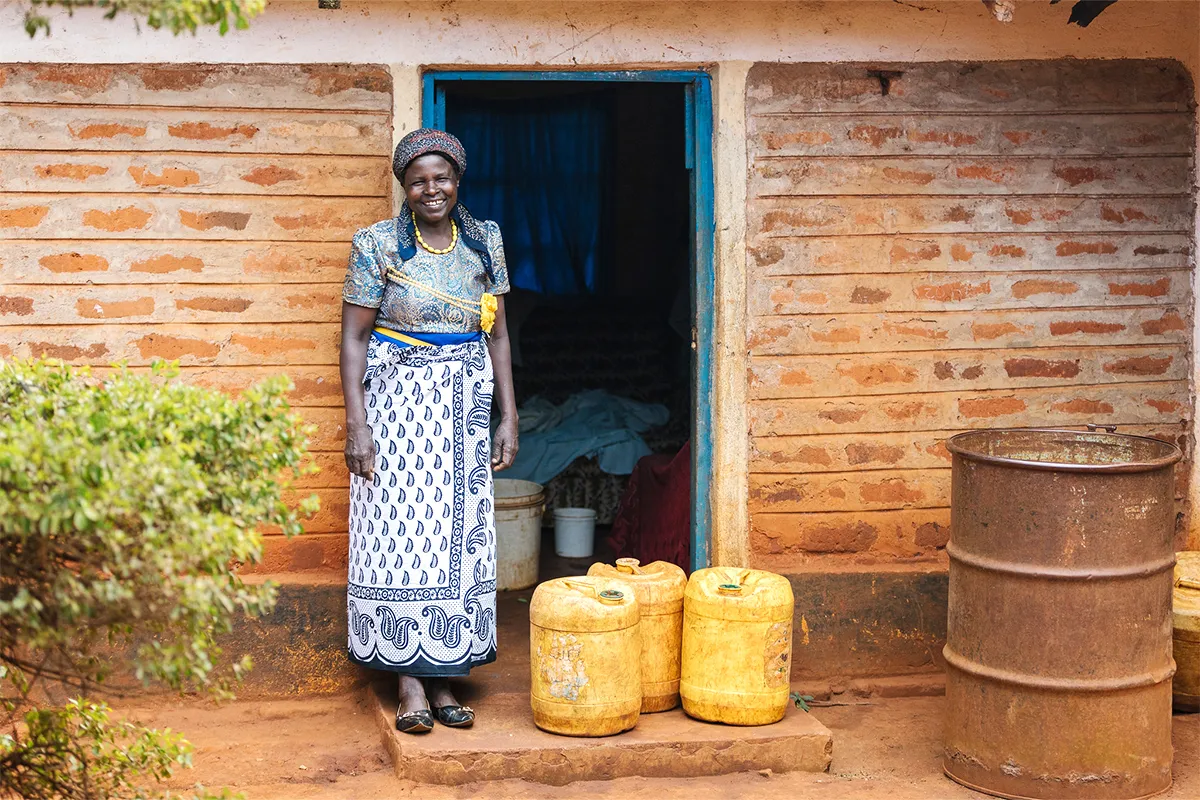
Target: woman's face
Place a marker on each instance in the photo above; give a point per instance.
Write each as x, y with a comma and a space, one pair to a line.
431, 185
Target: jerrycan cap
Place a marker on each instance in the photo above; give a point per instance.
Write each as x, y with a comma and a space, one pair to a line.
629, 566
731, 589
611, 596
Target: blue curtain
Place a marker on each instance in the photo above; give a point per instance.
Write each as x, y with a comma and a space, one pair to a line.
537, 167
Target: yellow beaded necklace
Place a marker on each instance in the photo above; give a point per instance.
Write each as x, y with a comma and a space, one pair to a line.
435, 251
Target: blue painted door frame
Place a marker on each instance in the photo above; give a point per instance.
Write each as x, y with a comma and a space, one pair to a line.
699, 154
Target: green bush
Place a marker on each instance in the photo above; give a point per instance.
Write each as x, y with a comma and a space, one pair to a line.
176, 16
123, 503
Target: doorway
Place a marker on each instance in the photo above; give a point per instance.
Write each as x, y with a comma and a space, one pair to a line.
602, 185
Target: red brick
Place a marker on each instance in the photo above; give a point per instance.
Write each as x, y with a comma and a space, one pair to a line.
203, 131
874, 135
1164, 406
858, 453
129, 218
172, 177
892, 490
877, 374
1081, 405
982, 173
108, 130
160, 265
863, 295
271, 175
18, 306
1139, 366
931, 534
983, 331
986, 407
1079, 175
902, 255
157, 345
1040, 368
951, 292
1110, 214
73, 172
932, 333
1157, 289
836, 335
206, 221
26, 217
68, 352
1068, 249
220, 305
1010, 250
1028, 288
1067, 328
960, 253
1164, 324
90, 308
843, 415
73, 262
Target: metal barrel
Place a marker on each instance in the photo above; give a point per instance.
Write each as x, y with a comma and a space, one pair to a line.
1058, 647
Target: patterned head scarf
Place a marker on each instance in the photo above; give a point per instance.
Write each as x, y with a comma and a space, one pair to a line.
424, 141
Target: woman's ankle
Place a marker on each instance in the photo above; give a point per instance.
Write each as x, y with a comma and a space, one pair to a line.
412, 694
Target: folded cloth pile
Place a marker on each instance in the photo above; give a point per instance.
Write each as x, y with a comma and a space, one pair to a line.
591, 424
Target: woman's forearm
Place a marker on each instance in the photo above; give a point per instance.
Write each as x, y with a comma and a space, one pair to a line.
506, 401
356, 332
500, 351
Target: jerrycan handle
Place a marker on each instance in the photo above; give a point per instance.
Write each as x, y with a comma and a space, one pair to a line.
610, 597
1187, 583
630, 566
734, 584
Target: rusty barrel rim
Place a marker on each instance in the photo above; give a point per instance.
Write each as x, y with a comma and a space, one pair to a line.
960, 445
1009, 796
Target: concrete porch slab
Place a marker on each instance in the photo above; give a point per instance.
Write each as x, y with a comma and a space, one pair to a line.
504, 743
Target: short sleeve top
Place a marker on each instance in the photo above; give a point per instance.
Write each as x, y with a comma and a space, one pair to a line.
407, 308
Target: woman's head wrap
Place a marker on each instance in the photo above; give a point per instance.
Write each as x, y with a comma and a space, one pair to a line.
424, 141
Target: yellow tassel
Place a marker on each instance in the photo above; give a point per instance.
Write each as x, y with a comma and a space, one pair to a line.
487, 311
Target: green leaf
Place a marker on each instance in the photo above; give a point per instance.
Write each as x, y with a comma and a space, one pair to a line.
801, 700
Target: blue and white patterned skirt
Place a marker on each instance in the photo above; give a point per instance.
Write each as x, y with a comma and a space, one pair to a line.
421, 598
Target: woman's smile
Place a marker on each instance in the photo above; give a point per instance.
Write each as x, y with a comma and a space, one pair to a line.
431, 184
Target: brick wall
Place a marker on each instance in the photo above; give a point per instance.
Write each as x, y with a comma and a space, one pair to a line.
198, 213
982, 245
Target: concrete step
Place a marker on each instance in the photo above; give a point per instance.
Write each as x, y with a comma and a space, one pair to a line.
504, 743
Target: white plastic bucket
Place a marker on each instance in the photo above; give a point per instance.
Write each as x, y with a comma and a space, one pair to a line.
519, 507
574, 532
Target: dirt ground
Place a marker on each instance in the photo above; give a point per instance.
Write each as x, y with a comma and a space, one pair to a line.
328, 748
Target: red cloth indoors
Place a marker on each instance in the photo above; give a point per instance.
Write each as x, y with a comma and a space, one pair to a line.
654, 521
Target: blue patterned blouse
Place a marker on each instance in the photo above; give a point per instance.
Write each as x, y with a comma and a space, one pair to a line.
402, 307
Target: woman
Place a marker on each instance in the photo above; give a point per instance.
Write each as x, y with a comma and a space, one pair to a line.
424, 341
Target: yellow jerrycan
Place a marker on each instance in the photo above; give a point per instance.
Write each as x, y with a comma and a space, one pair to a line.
1185, 615
585, 649
659, 589
737, 646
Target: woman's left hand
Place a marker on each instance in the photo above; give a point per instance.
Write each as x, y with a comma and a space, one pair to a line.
504, 445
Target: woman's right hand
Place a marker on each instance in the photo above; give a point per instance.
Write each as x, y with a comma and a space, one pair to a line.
360, 451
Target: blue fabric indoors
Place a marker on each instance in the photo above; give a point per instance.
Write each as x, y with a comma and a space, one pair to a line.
538, 169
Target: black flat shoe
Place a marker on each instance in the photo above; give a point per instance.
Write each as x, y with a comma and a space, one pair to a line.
455, 716
414, 721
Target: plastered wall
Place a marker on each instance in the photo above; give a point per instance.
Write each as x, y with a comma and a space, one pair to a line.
726, 38
985, 245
